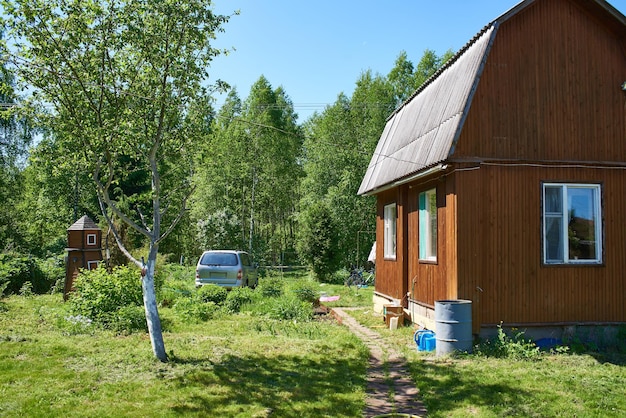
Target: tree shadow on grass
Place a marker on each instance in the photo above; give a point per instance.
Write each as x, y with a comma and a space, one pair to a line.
444, 390
285, 386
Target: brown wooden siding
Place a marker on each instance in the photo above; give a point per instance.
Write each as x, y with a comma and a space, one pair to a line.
550, 89
500, 249
431, 281
390, 273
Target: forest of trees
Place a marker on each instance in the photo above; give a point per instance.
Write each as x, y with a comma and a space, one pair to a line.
248, 175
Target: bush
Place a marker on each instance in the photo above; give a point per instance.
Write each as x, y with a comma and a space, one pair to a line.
99, 295
291, 309
17, 269
212, 293
53, 271
339, 277
317, 240
194, 310
128, 319
306, 292
171, 292
271, 286
237, 298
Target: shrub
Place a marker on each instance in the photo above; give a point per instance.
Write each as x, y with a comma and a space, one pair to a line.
17, 269
306, 292
212, 293
291, 309
26, 290
53, 271
99, 295
317, 240
194, 310
271, 286
237, 298
339, 277
128, 319
170, 293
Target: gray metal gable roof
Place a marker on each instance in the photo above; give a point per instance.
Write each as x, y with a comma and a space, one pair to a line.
422, 133
424, 130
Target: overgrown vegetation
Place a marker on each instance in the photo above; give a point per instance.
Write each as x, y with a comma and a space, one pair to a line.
112, 300
43, 275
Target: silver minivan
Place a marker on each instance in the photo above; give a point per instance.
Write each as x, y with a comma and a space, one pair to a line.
226, 268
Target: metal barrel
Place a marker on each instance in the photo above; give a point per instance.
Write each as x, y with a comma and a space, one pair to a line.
453, 321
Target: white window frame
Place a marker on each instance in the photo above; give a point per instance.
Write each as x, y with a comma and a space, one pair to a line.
93, 264
390, 236
91, 239
565, 194
428, 225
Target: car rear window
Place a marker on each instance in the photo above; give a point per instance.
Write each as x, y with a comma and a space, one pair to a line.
219, 259
245, 260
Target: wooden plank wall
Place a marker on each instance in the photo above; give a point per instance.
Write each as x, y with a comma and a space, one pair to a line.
431, 281
390, 273
549, 95
550, 90
500, 248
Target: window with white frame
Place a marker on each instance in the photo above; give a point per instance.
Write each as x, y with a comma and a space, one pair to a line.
428, 225
572, 223
390, 231
91, 239
92, 265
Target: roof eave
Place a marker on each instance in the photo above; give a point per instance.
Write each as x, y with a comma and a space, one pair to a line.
439, 168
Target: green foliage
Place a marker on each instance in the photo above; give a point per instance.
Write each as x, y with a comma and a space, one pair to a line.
290, 308
513, 347
127, 319
193, 310
249, 173
177, 281
317, 243
237, 298
26, 290
306, 292
212, 293
100, 296
271, 286
17, 269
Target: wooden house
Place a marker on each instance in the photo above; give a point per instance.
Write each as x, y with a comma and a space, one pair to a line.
502, 180
84, 250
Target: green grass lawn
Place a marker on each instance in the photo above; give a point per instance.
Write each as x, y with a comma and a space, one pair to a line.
236, 366
244, 365
554, 385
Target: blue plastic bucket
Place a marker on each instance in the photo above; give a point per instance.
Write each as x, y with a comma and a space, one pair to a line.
425, 340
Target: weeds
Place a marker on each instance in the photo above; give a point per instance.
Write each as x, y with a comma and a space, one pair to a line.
513, 347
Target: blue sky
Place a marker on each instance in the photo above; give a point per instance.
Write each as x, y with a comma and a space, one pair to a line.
317, 49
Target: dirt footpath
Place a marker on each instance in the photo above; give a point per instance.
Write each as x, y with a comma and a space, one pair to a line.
389, 387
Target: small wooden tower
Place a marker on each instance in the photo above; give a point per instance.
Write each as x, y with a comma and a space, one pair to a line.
84, 250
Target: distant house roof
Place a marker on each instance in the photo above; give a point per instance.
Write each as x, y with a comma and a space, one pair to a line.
83, 224
423, 131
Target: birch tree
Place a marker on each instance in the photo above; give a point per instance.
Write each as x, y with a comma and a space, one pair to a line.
125, 82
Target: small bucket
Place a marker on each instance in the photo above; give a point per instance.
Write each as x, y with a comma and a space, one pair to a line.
425, 340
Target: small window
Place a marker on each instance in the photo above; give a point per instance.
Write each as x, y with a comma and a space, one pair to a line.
91, 239
572, 224
390, 231
428, 225
92, 265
